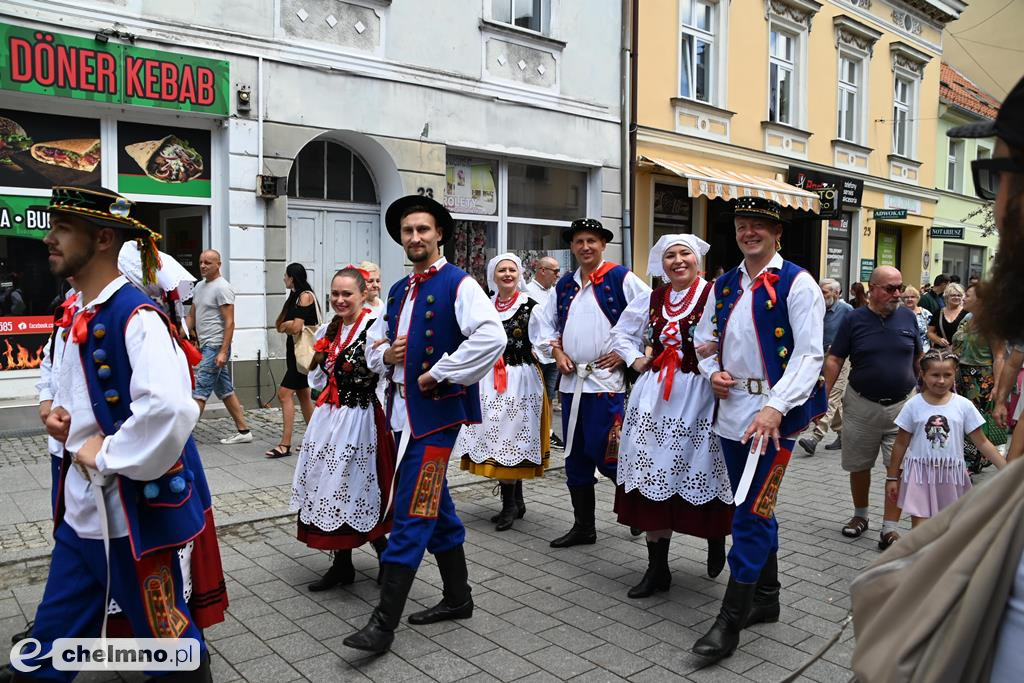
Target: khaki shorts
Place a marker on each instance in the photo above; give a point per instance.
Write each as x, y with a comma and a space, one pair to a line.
867, 428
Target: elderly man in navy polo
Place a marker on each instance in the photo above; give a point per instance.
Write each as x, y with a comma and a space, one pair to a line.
767, 320
439, 337
578, 322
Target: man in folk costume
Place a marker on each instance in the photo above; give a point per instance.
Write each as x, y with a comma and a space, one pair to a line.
131, 475
578, 322
767, 320
439, 336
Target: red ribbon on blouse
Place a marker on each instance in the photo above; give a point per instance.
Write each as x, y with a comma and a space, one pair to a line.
68, 309
80, 328
416, 279
668, 361
500, 376
767, 279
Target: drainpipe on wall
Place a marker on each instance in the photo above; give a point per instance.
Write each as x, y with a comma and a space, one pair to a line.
627, 166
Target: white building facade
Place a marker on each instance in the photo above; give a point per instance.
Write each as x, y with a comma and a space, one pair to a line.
507, 111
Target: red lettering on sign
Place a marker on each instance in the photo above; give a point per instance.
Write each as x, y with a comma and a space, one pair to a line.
132, 84
207, 93
169, 78
44, 62
152, 79
21, 60
86, 68
66, 75
187, 93
106, 73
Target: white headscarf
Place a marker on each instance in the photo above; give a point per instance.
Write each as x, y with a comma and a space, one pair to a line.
170, 276
695, 244
492, 266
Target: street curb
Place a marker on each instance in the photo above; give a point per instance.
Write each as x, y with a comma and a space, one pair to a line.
35, 554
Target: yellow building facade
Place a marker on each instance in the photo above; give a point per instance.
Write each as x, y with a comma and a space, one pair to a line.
827, 107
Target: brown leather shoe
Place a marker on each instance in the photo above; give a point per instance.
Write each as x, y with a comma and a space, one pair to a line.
855, 527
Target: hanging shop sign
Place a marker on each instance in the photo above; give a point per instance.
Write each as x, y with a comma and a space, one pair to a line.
43, 150
847, 191
946, 233
47, 63
163, 160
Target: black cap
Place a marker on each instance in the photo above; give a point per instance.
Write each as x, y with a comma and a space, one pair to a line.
1008, 124
393, 216
99, 206
757, 207
587, 225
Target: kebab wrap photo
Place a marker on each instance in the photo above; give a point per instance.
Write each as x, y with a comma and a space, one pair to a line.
170, 160
80, 154
13, 139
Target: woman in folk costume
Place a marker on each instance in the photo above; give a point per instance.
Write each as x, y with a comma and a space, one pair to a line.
672, 475
511, 443
346, 462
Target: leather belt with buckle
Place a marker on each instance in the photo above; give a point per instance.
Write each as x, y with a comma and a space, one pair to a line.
754, 387
399, 389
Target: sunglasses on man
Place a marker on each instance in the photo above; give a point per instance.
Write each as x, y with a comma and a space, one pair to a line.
891, 289
987, 174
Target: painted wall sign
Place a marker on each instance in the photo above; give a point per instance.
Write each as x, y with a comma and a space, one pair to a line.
47, 63
24, 217
947, 233
889, 214
163, 160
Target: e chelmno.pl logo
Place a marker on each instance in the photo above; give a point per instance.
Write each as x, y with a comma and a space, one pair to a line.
109, 654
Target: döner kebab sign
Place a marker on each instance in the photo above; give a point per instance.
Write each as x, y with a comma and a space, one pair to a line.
46, 63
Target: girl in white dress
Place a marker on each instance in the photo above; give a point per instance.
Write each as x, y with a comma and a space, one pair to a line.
347, 459
671, 475
511, 442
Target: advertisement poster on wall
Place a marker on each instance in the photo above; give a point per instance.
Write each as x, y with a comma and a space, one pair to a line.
43, 150
163, 160
470, 186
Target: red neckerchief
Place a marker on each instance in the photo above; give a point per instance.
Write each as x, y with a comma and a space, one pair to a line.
767, 279
416, 279
330, 392
597, 277
80, 328
67, 311
668, 360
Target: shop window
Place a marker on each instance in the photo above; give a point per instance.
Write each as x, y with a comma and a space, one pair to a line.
782, 77
903, 117
474, 245
327, 170
849, 119
536, 191
672, 211
534, 15
955, 166
697, 68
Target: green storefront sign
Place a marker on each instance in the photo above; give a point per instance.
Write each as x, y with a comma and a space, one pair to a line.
24, 216
47, 63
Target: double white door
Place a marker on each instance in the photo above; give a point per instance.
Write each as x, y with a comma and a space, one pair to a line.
327, 239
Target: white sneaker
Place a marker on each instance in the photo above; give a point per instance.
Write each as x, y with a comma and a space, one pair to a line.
238, 437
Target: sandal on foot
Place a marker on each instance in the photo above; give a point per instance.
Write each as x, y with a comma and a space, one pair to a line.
855, 527
278, 451
887, 538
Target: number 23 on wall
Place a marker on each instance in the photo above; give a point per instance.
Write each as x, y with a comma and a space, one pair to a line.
425, 192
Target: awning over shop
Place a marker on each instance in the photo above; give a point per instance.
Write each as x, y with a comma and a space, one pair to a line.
716, 183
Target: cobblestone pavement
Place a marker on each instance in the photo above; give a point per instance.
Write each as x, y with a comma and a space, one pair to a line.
541, 614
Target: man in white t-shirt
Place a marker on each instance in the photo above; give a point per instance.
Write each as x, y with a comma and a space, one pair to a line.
545, 273
211, 321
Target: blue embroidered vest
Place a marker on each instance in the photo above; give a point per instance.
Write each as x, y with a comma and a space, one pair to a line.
433, 332
169, 511
774, 337
609, 295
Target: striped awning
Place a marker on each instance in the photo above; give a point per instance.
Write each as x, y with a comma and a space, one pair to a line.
716, 183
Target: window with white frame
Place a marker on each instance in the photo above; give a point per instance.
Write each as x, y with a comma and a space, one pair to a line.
903, 117
984, 152
510, 205
697, 68
955, 166
782, 67
534, 15
849, 109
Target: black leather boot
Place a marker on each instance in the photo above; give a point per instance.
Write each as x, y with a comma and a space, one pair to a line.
379, 545
765, 609
341, 573
457, 596
721, 641
520, 502
508, 508
582, 531
379, 631
716, 556
658, 576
